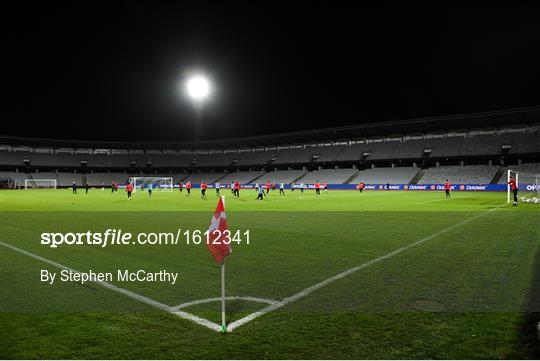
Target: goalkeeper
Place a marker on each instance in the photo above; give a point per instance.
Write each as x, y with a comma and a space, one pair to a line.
514, 187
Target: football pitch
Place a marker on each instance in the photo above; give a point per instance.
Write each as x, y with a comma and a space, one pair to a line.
345, 275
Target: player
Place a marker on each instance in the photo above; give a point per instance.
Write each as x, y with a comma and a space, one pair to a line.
293, 186
260, 193
281, 189
232, 188
514, 187
188, 187
112, 187
203, 189
267, 187
103, 187
325, 186
150, 186
181, 186
236, 187
273, 186
317, 188
302, 185
129, 189
361, 186
217, 186
447, 188
74, 188
87, 187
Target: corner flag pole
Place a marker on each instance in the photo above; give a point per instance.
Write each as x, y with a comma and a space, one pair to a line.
223, 325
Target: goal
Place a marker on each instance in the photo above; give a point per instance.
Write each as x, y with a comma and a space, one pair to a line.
158, 183
40, 184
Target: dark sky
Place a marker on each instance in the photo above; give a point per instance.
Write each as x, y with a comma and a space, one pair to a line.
112, 70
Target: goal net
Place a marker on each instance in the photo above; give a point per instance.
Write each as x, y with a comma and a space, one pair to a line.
528, 186
157, 183
40, 184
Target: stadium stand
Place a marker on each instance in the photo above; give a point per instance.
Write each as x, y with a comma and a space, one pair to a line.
472, 174
351, 153
278, 176
242, 177
66, 179
334, 176
284, 156
328, 153
97, 179
398, 175
380, 150
209, 178
500, 137
410, 149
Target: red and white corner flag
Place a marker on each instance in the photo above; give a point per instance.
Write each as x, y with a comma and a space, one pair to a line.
218, 241
219, 244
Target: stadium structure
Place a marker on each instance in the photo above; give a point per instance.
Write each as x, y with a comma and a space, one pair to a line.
470, 149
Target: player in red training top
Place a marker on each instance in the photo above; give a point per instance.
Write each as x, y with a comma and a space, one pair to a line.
514, 188
188, 187
361, 186
237, 189
203, 189
447, 188
129, 189
267, 187
325, 186
317, 188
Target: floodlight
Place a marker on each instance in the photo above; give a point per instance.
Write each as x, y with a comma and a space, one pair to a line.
198, 88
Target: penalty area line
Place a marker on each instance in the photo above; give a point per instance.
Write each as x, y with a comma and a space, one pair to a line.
348, 272
182, 314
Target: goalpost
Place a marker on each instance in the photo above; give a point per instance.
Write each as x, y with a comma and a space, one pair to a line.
157, 183
40, 184
509, 174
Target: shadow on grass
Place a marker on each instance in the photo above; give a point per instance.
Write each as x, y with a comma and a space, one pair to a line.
530, 332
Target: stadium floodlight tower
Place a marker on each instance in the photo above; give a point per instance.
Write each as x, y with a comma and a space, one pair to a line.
198, 89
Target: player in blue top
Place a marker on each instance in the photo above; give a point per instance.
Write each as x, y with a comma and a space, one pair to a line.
150, 186
260, 193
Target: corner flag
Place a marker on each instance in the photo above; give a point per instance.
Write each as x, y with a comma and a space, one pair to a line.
217, 233
219, 245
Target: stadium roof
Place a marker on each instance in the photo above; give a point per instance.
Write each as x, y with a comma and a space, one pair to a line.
517, 117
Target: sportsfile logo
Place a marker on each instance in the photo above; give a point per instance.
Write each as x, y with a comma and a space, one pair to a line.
119, 237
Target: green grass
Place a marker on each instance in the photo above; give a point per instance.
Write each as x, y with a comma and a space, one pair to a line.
470, 292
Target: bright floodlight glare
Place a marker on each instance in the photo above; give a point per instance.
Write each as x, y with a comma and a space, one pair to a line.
198, 87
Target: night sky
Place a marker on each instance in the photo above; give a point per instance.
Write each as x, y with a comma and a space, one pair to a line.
104, 71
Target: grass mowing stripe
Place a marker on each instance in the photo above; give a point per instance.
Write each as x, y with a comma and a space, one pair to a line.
341, 275
188, 316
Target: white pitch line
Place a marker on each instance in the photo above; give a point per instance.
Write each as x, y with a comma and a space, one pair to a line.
188, 316
341, 275
229, 298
